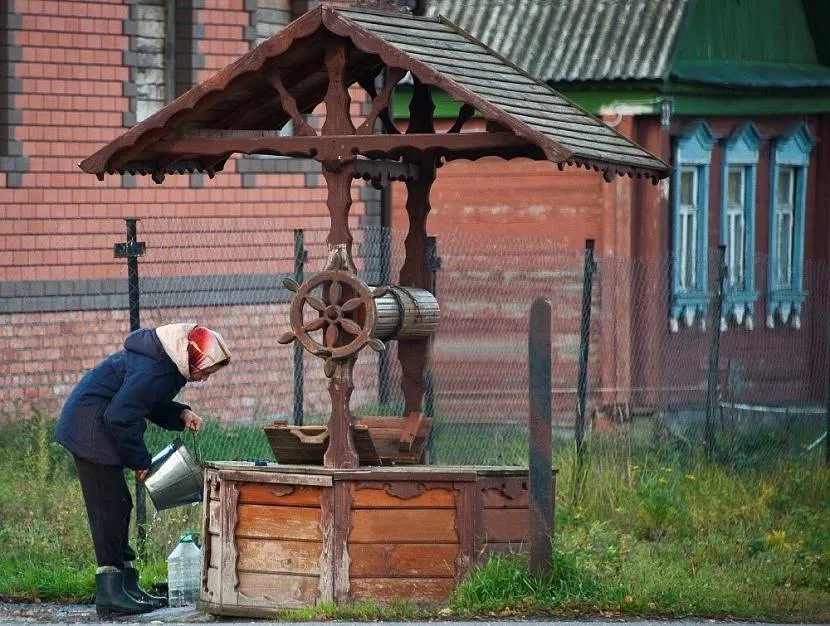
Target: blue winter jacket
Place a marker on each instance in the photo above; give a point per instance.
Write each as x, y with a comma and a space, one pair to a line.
103, 419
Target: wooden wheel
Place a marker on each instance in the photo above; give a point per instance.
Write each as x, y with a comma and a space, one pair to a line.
336, 319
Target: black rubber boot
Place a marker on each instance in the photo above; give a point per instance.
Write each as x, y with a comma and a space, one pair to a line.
110, 597
132, 587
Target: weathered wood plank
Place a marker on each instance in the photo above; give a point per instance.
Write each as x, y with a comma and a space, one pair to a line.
229, 516
279, 557
408, 559
386, 496
326, 582
212, 479
340, 553
211, 591
505, 525
278, 522
277, 590
274, 477
214, 521
416, 590
465, 527
215, 556
278, 494
403, 526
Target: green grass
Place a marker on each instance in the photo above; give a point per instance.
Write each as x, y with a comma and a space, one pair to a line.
647, 529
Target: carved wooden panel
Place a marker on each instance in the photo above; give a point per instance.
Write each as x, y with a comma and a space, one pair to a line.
381, 494
283, 495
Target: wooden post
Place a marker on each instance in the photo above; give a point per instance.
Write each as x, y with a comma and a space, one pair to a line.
582, 376
341, 451
540, 451
714, 356
413, 354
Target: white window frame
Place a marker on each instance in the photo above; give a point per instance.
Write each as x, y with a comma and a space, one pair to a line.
740, 152
785, 293
690, 298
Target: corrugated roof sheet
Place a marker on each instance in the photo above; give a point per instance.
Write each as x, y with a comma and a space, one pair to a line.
575, 40
473, 67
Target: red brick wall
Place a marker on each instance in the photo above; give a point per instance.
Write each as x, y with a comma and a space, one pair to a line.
61, 224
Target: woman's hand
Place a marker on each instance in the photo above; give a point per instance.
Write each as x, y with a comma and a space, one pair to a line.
141, 474
190, 419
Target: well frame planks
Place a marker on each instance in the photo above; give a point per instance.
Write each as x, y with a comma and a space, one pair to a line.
282, 536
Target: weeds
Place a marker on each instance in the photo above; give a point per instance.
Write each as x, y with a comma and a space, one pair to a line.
654, 531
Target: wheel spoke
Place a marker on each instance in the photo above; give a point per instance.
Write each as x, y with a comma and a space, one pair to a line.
315, 324
351, 305
335, 291
351, 327
332, 335
315, 303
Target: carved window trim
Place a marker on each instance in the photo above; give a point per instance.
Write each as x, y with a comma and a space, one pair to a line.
692, 152
740, 154
790, 153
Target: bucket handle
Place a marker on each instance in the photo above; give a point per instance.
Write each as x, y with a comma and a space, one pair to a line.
196, 452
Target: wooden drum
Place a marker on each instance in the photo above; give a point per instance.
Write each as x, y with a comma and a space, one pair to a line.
405, 313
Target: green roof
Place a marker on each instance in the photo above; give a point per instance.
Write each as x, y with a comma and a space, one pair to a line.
757, 44
751, 74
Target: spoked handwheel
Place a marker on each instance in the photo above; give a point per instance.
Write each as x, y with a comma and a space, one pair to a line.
336, 319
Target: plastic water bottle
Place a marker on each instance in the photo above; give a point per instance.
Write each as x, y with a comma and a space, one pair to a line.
184, 572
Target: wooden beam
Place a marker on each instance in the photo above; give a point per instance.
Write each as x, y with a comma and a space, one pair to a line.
332, 147
289, 105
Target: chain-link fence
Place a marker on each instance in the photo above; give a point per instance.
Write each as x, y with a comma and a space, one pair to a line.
647, 377
653, 381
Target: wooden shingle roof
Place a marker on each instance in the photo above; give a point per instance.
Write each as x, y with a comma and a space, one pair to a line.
243, 98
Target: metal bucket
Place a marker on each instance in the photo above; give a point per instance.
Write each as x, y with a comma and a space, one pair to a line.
175, 477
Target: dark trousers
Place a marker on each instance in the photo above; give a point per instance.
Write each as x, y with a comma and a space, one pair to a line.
108, 507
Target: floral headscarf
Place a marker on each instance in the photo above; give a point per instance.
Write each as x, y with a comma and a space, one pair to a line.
206, 348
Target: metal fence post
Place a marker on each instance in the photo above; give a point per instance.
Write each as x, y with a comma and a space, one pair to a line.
714, 357
300, 257
540, 452
384, 267
131, 250
582, 377
827, 382
434, 264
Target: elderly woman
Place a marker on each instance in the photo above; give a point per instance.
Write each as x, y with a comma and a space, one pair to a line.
102, 424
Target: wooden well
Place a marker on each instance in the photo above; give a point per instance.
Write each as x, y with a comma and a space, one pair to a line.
329, 528
281, 536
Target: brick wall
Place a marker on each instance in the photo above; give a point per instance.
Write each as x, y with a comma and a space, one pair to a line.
75, 70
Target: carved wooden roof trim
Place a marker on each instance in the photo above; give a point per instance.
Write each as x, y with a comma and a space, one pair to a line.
552, 127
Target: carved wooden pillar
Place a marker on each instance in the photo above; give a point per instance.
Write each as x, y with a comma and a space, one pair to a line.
341, 451
413, 354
